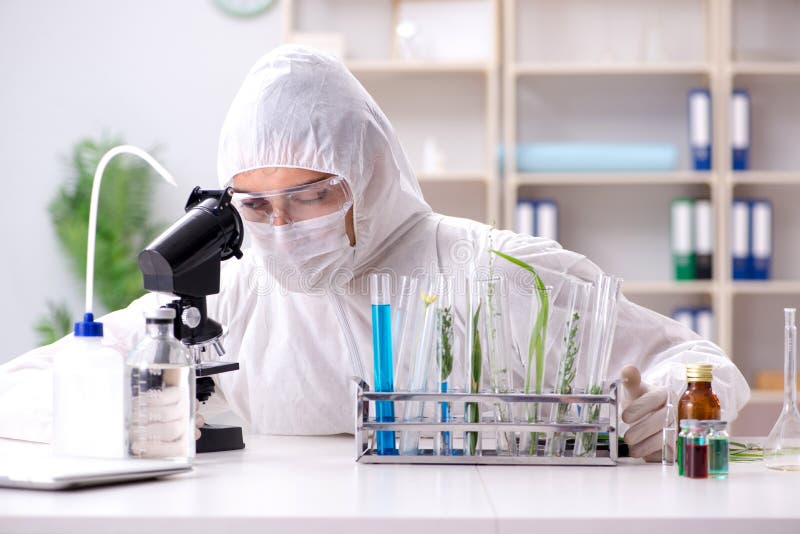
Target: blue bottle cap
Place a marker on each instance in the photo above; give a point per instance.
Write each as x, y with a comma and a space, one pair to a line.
88, 327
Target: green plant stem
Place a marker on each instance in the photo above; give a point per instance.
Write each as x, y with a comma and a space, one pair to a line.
568, 370
536, 344
593, 411
475, 380
446, 331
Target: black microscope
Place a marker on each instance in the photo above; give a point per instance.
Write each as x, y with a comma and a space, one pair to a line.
185, 261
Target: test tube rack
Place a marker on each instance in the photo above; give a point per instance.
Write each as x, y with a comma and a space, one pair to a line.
366, 427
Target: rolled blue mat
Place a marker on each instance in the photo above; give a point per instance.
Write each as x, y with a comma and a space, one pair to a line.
595, 157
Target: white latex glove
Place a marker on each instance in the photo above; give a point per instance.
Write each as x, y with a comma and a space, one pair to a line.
160, 421
645, 409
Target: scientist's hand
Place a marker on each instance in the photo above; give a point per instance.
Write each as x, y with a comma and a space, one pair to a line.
645, 411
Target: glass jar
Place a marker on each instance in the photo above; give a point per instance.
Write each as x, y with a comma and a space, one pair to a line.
718, 447
161, 393
699, 401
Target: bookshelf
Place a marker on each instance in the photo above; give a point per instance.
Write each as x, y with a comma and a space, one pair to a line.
726, 43
547, 62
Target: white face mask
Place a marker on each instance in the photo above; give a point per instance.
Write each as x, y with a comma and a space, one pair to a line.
308, 255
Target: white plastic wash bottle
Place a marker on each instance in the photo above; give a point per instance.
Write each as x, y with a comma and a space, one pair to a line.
88, 396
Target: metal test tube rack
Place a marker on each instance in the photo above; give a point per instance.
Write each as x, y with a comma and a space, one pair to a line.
366, 427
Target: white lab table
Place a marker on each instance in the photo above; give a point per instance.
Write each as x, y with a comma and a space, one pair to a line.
312, 484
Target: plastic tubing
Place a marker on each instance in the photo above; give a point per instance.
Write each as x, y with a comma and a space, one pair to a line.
95, 200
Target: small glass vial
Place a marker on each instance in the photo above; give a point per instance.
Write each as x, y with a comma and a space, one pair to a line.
699, 401
669, 436
696, 450
161, 393
680, 449
718, 447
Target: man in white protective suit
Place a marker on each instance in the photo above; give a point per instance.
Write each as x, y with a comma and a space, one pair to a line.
328, 196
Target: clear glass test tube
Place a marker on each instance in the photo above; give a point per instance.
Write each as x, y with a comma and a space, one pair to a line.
445, 358
606, 293
569, 352
491, 343
380, 290
420, 350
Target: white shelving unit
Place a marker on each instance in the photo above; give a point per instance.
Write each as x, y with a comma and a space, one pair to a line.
615, 71
423, 97
720, 59
762, 55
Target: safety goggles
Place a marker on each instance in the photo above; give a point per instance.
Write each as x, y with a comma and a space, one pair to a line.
295, 204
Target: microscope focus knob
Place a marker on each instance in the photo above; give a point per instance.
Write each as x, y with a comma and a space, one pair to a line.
191, 317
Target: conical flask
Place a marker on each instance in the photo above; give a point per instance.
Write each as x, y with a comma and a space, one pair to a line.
782, 447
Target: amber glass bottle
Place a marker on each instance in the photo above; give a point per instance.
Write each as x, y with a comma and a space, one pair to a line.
699, 401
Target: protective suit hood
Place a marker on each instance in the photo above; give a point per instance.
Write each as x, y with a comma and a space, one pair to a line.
300, 108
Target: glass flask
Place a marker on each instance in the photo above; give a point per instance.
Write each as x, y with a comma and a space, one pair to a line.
699, 401
161, 395
782, 447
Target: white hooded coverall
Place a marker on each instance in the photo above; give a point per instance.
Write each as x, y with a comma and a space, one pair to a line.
299, 108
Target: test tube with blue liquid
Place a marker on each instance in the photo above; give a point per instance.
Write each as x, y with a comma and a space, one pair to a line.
380, 290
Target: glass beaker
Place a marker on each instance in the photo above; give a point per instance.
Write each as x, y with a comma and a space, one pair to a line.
782, 447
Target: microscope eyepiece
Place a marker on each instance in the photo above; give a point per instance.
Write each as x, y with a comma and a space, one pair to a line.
185, 259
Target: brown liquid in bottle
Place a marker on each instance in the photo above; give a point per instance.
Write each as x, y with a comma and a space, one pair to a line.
699, 401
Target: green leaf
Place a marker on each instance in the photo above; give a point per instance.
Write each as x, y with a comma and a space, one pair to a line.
56, 324
536, 344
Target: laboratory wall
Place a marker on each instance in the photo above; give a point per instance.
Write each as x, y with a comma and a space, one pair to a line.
158, 74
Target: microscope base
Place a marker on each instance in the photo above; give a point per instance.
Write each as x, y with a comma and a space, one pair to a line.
216, 438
